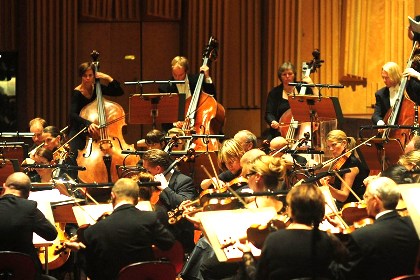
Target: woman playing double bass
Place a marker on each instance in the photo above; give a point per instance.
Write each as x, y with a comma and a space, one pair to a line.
338, 143
277, 99
81, 96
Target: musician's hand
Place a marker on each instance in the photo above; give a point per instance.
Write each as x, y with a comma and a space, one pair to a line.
244, 247
74, 245
325, 181
163, 182
194, 219
93, 130
104, 77
205, 70
380, 122
274, 125
410, 72
179, 124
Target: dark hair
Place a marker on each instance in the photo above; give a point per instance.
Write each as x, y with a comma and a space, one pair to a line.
54, 131
84, 67
155, 136
145, 193
156, 157
399, 174
45, 153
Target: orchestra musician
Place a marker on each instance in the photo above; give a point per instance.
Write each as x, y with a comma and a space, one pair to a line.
124, 237
180, 72
41, 175
386, 249
154, 139
228, 159
20, 218
338, 143
386, 96
246, 139
81, 96
36, 126
175, 187
277, 99
413, 72
301, 250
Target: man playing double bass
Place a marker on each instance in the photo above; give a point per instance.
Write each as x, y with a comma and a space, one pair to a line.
180, 68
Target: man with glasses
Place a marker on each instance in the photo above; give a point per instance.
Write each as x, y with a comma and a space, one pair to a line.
389, 247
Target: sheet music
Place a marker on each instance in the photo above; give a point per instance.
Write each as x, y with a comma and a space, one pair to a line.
45, 207
411, 195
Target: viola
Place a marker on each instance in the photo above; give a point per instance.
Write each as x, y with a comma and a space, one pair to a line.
58, 254
354, 211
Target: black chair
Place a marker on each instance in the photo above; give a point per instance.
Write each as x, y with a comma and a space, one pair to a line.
16, 266
154, 270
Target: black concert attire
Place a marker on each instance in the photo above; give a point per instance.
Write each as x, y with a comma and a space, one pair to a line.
296, 253
276, 106
19, 219
180, 188
383, 250
123, 238
77, 123
382, 105
358, 187
192, 83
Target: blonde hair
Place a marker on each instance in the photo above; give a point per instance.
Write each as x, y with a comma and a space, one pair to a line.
230, 150
394, 71
270, 168
341, 136
410, 158
180, 61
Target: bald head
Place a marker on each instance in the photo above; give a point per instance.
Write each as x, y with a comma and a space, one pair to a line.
125, 189
277, 143
247, 139
19, 184
250, 156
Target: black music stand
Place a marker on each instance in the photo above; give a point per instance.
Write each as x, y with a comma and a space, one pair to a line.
155, 108
315, 109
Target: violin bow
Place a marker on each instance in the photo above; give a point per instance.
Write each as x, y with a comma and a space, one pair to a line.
214, 171
347, 186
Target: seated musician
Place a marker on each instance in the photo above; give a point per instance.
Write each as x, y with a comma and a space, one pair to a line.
175, 144
180, 72
386, 96
20, 218
154, 139
246, 139
228, 159
385, 249
338, 143
36, 126
40, 175
126, 236
301, 250
175, 187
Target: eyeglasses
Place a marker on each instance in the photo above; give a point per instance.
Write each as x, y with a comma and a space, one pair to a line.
250, 174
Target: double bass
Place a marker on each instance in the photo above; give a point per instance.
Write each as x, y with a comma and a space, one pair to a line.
102, 154
204, 115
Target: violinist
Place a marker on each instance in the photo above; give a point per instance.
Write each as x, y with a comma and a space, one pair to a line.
338, 143
36, 126
154, 139
387, 96
180, 72
175, 187
301, 250
387, 248
246, 139
41, 175
124, 237
177, 144
228, 159
20, 218
277, 99
81, 96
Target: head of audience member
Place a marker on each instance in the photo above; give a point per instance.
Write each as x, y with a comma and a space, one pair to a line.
338, 142
410, 160
36, 126
17, 184
391, 74
180, 67
246, 139
145, 193
276, 144
306, 204
125, 190
156, 161
399, 174
229, 156
287, 73
265, 173
414, 144
155, 139
381, 194
176, 132
52, 137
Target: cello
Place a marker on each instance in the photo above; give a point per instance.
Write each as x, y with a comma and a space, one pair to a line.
102, 154
204, 114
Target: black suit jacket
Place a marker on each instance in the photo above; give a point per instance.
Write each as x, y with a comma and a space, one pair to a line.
19, 219
125, 237
383, 250
382, 105
181, 187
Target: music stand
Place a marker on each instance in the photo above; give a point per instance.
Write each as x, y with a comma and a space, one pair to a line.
315, 109
155, 108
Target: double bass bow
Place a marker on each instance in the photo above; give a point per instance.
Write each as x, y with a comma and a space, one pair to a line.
204, 115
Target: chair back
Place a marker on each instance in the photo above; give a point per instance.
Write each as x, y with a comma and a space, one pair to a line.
16, 266
175, 255
154, 270
407, 277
